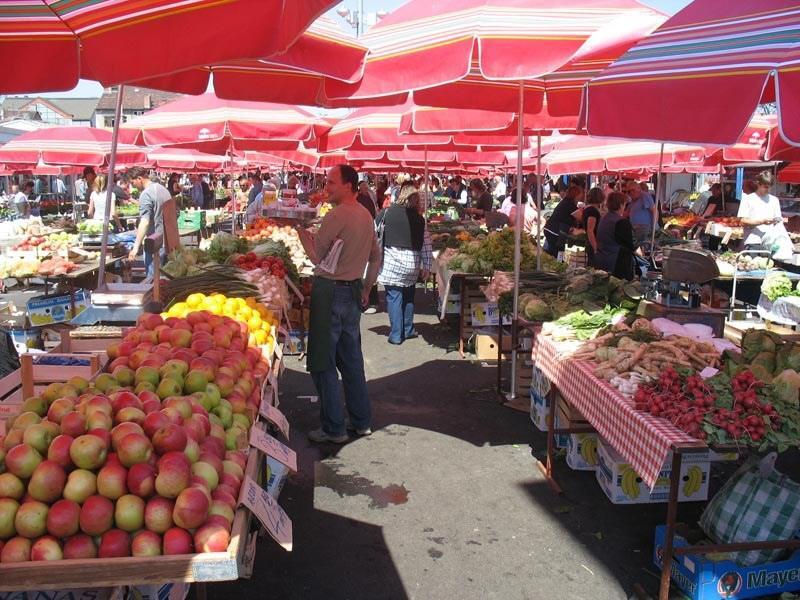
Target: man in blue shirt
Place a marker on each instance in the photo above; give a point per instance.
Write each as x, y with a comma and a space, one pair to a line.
255, 187
643, 212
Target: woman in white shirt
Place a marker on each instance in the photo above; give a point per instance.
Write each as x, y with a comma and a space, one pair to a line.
97, 201
760, 212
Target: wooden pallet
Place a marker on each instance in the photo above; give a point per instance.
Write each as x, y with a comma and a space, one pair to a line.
110, 572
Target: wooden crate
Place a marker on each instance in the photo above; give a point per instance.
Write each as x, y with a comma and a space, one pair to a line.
109, 572
32, 378
524, 374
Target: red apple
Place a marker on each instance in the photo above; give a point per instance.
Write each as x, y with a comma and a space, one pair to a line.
112, 481
141, 480
177, 541
146, 543
134, 448
158, 514
79, 546
59, 451
114, 543
212, 537
47, 482
97, 515
63, 518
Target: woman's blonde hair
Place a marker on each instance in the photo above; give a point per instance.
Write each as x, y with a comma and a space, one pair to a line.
99, 184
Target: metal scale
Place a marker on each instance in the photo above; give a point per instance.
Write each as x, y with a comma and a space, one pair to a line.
675, 292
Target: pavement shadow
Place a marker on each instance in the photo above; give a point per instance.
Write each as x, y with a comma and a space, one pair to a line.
452, 397
439, 335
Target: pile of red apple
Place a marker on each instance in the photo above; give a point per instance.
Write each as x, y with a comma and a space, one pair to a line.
144, 461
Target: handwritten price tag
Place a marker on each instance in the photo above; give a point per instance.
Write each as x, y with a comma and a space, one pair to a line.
274, 416
268, 511
269, 445
272, 379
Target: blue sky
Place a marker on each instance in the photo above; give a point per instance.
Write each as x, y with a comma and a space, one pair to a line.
92, 89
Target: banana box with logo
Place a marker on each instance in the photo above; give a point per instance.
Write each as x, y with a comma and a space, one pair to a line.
712, 576
486, 314
623, 485
582, 451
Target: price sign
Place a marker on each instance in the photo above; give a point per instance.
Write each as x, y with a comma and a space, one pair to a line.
268, 511
272, 379
269, 445
274, 416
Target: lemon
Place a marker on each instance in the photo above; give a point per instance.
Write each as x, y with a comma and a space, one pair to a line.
195, 300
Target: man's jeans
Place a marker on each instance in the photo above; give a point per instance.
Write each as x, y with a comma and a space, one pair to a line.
400, 306
346, 349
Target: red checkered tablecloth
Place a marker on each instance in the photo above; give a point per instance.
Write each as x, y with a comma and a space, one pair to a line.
642, 439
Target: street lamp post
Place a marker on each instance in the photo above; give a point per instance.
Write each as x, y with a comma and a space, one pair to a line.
357, 18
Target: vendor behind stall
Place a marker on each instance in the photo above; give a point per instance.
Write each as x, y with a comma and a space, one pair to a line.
714, 202
761, 215
482, 201
562, 220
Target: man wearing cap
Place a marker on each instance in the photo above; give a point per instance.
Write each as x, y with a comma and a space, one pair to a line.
337, 298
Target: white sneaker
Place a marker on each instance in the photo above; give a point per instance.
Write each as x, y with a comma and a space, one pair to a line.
371, 310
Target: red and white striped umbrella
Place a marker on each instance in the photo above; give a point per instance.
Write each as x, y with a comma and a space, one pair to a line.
47, 45
473, 53
583, 154
377, 129
700, 76
296, 76
212, 125
303, 157
67, 147
184, 159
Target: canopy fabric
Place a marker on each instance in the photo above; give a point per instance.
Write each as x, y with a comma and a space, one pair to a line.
296, 76
67, 147
701, 75
372, 129
303, 157
473, 53
429, 119
582, 154
184, 159
790, 173
48, 45
213, 125
777, 148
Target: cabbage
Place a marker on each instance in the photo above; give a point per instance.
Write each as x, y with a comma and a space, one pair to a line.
787, 387
537, 309
776, 285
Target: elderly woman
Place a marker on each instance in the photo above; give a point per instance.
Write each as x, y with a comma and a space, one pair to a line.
406, 256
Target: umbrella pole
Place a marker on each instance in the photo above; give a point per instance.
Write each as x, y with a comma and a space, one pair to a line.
658, 193
517, 245
112, 162
427, 182
538, 201
234, 199
722, 186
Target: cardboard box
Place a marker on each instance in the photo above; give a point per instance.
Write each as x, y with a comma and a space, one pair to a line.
485, 314
294, 343
276, 476
704, 579
540, 413
166, 591
46, 310
453, 306
582, 451
485, 346
623, 485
